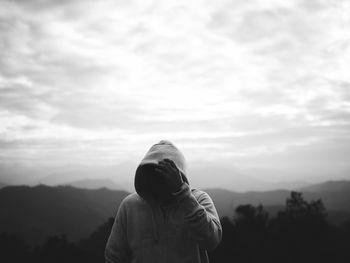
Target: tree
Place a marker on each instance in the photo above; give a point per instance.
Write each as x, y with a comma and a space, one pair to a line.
224, 253
298, 209
58, 249
300, 233
95, 244
254, 218
243, 236
13, 249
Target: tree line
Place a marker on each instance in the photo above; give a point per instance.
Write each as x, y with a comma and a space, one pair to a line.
299, 232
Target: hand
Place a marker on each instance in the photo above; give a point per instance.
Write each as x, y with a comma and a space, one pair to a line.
172, 174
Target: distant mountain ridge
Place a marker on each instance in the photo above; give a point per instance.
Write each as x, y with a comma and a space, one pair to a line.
328, 186
335, 196
94, 184
118, 174
36, 212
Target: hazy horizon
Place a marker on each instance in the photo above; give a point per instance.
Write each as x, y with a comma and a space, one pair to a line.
254, 93
121, 177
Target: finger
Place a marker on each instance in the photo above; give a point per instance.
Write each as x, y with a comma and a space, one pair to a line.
163, 168
171, 162
162, 173
165, 164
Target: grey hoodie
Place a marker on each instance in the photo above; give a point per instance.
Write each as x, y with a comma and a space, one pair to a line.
181, 231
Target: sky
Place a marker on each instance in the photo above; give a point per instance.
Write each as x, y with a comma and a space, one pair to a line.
252, 92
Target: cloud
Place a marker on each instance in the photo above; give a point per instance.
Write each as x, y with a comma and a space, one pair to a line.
226, 80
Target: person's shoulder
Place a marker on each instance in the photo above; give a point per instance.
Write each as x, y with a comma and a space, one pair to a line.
199, 193
131, 198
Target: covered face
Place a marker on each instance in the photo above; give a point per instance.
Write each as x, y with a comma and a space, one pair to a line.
150, 184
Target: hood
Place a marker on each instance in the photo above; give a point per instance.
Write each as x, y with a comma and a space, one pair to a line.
145, 177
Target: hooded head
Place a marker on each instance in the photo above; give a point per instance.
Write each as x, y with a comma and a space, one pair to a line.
150, 184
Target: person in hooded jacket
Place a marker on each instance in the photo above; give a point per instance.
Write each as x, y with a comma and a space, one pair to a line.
166, 220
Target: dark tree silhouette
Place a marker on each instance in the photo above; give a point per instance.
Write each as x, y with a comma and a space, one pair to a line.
224, 252
95, 244
300, 231
250, 216
299, 209
13, 249
242, 235
58, 249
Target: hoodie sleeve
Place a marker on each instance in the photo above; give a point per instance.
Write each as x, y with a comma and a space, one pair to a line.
117, 249
201, 215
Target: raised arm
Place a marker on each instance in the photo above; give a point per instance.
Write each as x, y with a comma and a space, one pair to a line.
200, 212
202, 217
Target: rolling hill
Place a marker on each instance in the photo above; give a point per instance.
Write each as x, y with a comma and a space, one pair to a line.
329, 186
94, 184
335, 196
37, 212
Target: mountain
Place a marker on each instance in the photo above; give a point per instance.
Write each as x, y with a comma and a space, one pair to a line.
36, 212
335, 197
2, 185
329, 186
94, 184
226, 201
121, 173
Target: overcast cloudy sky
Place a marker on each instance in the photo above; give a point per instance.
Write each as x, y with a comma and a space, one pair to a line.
257, 87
